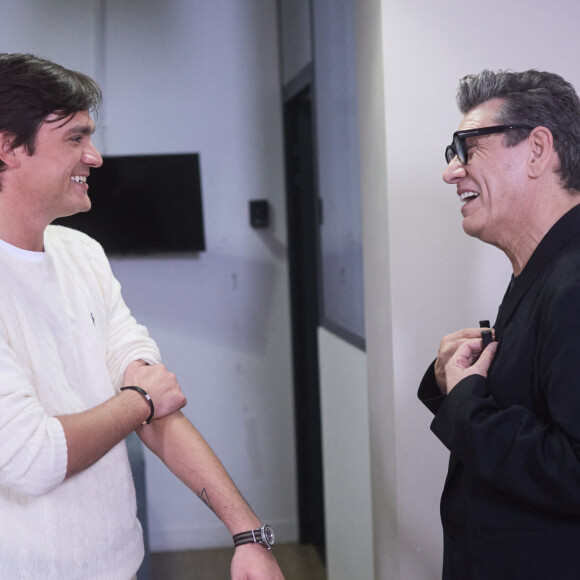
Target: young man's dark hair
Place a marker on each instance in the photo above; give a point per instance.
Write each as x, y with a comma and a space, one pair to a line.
31, 88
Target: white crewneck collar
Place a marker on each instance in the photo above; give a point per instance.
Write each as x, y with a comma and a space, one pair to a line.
25, 255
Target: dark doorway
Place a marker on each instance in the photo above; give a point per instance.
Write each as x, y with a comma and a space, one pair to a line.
303, 220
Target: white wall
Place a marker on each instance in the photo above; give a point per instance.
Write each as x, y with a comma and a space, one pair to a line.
205, 77
202, 77
378, 298
345, 437
63, 30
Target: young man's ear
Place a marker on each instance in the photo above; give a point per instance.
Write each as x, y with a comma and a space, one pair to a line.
7, 152
542, 151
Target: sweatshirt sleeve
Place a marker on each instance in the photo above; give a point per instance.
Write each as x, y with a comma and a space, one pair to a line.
33, 454
127, 340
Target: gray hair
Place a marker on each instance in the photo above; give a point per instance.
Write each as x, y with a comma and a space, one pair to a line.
532, 98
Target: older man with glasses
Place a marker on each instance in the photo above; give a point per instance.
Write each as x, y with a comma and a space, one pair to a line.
509, 412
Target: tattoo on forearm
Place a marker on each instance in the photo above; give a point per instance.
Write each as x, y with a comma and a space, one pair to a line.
204, 496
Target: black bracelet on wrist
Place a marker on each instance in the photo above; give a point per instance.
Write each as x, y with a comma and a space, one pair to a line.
146, 395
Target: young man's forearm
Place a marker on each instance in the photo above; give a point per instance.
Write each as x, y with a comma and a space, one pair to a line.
93, 433
185, 452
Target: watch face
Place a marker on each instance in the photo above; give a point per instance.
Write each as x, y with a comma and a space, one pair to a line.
268, 535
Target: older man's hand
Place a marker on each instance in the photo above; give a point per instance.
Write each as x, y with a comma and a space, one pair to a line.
469, 359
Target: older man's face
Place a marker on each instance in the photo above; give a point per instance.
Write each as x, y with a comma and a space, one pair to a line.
491, 186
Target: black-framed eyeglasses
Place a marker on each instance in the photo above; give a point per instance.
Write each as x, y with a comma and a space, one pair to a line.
459, 146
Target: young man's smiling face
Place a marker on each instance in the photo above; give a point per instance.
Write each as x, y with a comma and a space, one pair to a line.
52, 181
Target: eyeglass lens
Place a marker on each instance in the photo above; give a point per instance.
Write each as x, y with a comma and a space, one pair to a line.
449, 153
456, 148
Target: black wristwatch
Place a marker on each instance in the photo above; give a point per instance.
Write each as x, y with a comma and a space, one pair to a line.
263, 535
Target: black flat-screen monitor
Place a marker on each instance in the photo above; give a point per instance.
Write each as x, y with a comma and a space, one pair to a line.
143, 204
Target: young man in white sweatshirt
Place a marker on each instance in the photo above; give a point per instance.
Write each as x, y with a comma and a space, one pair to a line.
77, 372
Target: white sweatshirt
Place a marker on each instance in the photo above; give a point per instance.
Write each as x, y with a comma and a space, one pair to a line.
66, 338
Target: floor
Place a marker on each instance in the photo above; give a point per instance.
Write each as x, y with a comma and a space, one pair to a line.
298, 562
